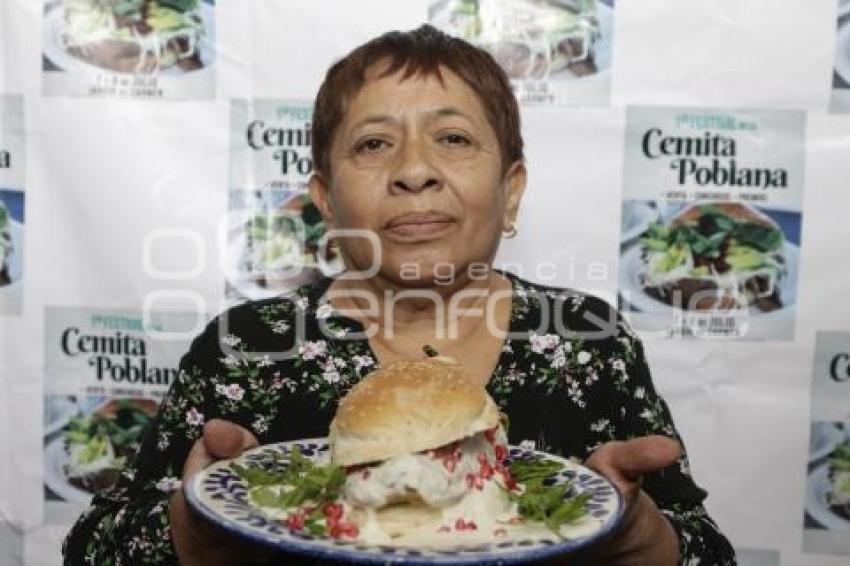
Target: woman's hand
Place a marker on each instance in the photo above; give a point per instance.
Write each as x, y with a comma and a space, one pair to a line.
196, 541
645, 536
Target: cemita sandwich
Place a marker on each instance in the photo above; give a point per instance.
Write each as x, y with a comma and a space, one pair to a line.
134, 36
418, 457
426, 452
718, 256
6, 246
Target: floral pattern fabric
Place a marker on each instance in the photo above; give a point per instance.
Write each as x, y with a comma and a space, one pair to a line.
571, 376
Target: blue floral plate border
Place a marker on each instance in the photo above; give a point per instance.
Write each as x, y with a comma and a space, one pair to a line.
219, 495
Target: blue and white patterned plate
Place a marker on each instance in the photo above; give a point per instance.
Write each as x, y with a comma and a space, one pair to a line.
221, 496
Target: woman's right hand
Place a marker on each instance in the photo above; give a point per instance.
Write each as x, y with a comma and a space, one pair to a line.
196, 541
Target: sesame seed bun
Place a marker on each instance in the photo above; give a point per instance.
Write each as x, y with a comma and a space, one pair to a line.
408, 406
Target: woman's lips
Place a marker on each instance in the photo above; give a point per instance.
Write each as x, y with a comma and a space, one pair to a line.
419, 224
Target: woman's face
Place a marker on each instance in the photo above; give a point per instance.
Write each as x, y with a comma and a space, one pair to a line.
417, 163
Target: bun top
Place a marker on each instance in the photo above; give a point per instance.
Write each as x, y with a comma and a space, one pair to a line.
735, 210
408, 406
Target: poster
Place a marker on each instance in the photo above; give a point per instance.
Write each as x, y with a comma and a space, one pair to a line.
105, 373
141, 49
757, 557
711, 221
555, 51
274, 232
12, 168
840, 100
826, 517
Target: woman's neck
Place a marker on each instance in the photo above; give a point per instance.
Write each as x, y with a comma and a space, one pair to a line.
448, 311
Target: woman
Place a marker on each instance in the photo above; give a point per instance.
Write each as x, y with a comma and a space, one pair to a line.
419, 165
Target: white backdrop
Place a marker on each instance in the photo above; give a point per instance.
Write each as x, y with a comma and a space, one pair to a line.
102, 174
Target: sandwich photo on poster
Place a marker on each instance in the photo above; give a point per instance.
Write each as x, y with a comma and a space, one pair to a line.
840, 99
826, 516
12, 167
555, 51
105, 374
711, 222
143, 49
273, 236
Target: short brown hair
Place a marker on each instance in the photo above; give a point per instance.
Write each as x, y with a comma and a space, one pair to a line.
419, 52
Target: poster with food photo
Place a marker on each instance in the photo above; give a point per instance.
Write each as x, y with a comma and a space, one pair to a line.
274, 232
141, 49
106, 372
826, 514
711, 222
840, 99
555, 51
12, 167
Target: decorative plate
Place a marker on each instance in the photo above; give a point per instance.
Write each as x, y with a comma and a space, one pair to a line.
220, 495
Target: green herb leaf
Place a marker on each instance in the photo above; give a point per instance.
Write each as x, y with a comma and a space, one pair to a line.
762, 238
298, 480
527, 470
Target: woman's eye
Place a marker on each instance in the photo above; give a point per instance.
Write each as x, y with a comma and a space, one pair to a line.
371, 145
456, 140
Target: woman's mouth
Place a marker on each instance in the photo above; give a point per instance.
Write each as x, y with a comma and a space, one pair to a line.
418, 225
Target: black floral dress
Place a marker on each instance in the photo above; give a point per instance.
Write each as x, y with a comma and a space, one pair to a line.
571, 376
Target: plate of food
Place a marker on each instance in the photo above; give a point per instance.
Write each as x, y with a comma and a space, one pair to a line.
416, 469
91, 450
828, 490
166, 37
271, 251
532, 39
723, 256
11, 249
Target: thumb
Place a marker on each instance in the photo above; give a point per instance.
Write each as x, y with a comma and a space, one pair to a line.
224, 439
639, 456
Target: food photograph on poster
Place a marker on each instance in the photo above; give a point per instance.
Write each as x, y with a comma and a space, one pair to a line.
827, 502
555, 51
424, 282
129, 48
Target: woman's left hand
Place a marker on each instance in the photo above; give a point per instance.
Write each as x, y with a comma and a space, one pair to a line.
645, 536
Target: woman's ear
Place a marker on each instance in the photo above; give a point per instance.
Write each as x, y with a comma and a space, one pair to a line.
514, 187
320, 196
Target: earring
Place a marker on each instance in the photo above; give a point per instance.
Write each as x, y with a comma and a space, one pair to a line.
510, 232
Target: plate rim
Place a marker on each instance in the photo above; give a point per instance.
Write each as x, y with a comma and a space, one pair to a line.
55, 480
837, 437
823, 516
350, 554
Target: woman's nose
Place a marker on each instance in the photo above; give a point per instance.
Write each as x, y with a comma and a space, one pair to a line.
414, 172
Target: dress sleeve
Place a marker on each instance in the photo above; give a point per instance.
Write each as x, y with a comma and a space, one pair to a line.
129, 523
643, 412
